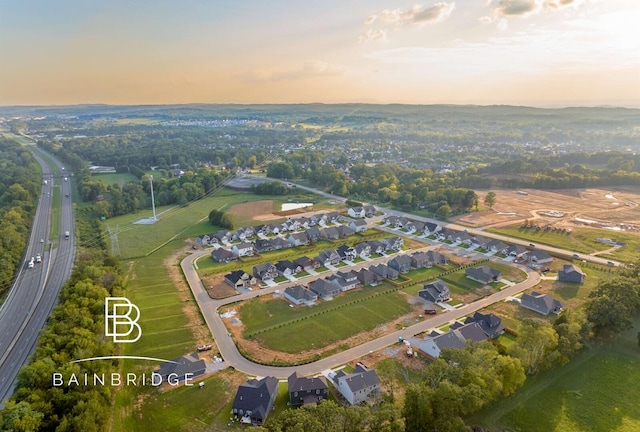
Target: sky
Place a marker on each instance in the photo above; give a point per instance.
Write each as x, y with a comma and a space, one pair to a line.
546, 53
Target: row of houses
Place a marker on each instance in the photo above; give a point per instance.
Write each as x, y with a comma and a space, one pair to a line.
438, 291
362, 211
255, 398
249, 232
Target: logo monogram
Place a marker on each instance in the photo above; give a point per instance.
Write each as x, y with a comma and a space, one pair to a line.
118, 322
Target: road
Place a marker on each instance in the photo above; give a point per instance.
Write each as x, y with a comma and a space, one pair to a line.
35, 290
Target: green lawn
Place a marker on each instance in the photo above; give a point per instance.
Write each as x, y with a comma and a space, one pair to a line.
597, 391
294, 330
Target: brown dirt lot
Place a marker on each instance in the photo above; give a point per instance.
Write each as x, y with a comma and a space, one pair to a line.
257, 210
615, 205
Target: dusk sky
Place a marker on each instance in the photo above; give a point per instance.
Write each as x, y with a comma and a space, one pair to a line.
519, 52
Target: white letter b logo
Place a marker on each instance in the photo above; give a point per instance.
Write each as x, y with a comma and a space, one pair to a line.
118, 321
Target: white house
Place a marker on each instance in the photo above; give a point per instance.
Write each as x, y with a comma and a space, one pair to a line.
356, 387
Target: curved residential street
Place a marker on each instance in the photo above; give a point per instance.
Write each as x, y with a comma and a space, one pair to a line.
232, 356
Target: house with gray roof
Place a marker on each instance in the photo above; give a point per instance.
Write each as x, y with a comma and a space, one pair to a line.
239, 279
454, 338
279, 243
347, 253
436, 291
490, 324
182, 368
385, 271
401, 263
483, 274
358, 225
393, 243
242, 249
420, 260
539, 257
324, 289
263, 245
376, 246
306, 263
542, 303
266, 271
363, 250
357, 386
223, 255
437, 257
287, 268
306, 391
571, 273
345, 231
369, 210
314, 234
330, 233
356, 212
299, 295
254, 400
298, 239
368, 278
328, 257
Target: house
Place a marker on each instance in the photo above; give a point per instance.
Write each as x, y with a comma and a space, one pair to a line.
333, 217
266, 271
431, 228
420, 260
376, 246
263, 245
490, 324
298, 239
306, 391
356, 212
445, 234
306, 263
571, 273
385, 271
299, 295
279, 243
314, 234
356, 387
495, 246
368, 278
358, 226
341, 282
349, 276
273, 229
328, 257
345, 231
539, 257
239, 279
369, 210
223, 236
222, 255
363, 250
454, 338
304, 222
324, 289
401, 263
516, 251
330, 233
347, 253
206, 240
182, 368
437, 258
479, 241
242, 249
415, 227
483, 274
254, 400
436, 291
287, 268
391, 220
393, 243
541, 303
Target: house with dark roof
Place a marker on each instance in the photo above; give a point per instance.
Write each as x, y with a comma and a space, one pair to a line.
401, 263
345, 231
356, 212
266, 271
420, 260
314, 234
357, 386
306, 391
516, 251
495, 246
263, 245
222, 255
393, 243
298, 239
347, 253
454, 338
279, 243
490, 323
571, 273
287, 268
436, 291
437, 257
328, 257
431, 228
223, 236
542, 303
239, 279
368, 278
376, 246
182, 368
369, 210
254, 400
330, 233
363, 250
385, 271
483, 274
358, 226
299, 295
306, 263
324, 289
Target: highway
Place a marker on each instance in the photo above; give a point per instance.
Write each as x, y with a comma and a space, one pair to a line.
35, 290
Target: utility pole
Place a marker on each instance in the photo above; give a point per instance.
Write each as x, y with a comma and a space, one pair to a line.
153, 203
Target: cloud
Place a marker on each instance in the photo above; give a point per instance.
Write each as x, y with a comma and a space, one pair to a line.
416, 15
558, 4
312, 68
518, 7
373, 35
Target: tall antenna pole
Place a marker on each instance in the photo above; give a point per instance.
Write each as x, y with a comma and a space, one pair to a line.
153, 203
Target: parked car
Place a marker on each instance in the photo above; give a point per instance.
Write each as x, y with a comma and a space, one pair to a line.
430, 311
576, 256
611, 264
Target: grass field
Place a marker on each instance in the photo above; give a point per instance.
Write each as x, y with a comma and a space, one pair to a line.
115, 178
597, 391
581, 240
174, 222
293, 330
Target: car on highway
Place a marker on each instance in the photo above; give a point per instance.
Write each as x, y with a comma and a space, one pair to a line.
38, 258
31, 263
